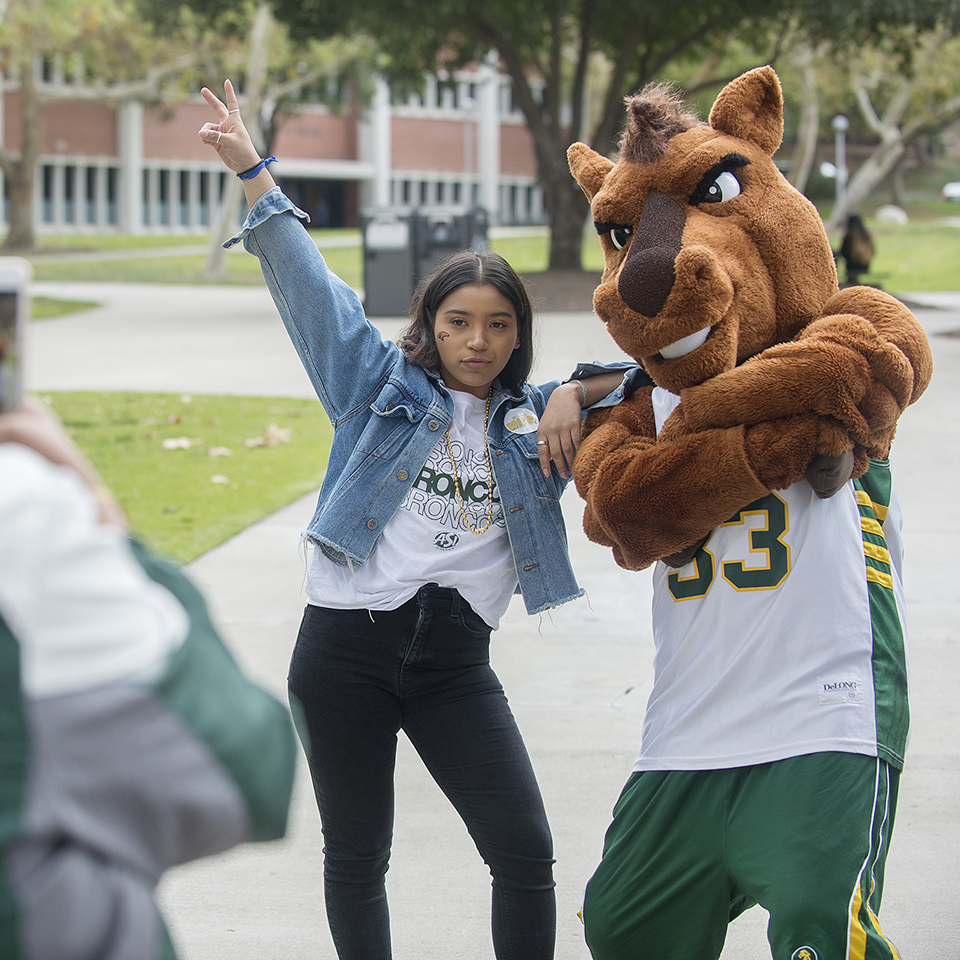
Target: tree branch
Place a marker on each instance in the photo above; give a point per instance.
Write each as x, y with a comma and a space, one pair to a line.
580, 75
52, 93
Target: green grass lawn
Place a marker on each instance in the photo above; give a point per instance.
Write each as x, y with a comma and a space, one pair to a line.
42, 308
192, 471
347, 262
921, 255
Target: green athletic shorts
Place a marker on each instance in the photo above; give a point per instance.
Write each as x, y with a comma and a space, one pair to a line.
806, 838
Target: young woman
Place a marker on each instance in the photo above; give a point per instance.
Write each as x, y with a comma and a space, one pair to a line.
438, 501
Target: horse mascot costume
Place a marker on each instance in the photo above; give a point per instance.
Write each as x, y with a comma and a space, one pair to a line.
755, 473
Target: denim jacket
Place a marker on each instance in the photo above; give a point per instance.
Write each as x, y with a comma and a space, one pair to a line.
388, 415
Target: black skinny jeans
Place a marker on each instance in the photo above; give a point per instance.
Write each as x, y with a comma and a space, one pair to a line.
423, 668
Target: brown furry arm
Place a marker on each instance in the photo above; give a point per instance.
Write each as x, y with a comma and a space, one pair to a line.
894, 324
861, 373
651, 498
901, 362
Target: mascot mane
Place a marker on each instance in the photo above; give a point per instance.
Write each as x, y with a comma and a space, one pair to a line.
654, 117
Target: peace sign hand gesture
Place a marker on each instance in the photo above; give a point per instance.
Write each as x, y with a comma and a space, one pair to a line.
228, 136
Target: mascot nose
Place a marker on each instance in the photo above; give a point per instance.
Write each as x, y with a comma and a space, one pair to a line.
648, 275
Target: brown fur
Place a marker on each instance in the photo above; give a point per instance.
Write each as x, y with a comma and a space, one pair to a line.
655, 115
791, 370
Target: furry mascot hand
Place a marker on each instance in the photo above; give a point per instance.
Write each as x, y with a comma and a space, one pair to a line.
858, 371
691, 482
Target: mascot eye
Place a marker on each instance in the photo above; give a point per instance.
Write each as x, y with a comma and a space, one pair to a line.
619, 233
620, 236
724, 188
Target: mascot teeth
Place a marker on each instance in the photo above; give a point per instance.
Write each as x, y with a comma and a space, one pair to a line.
685, 345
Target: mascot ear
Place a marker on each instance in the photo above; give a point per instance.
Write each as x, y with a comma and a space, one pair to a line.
751, 108
588, 167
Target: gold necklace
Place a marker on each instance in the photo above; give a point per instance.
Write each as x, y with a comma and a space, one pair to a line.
456, 478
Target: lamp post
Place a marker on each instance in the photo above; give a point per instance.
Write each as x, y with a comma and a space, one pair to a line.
840, 126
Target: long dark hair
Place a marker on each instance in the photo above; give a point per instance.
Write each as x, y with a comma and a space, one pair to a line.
473, 269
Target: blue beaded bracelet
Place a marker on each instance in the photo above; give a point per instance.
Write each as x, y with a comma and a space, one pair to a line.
256, 168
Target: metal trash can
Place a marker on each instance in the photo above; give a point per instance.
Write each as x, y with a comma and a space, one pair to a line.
388, 262
401, 247
441, 232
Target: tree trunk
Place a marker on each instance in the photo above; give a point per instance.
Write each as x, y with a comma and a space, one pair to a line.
870, 174
568, 208
565, 203
19, 180
216, 268
806, 150
20, 173
564, 200
897, 188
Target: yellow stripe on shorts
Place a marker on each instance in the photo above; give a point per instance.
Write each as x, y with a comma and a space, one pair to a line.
880, 509
858, 934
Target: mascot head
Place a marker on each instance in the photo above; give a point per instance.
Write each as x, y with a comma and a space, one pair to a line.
710, 254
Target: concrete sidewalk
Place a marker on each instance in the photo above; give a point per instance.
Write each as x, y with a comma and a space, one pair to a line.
577, 679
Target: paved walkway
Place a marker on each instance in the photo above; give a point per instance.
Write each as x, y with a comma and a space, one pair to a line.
577, 679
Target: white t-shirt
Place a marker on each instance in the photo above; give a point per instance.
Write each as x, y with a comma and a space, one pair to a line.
427, 540
784, 636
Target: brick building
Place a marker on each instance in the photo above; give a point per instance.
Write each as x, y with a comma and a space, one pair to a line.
139, 167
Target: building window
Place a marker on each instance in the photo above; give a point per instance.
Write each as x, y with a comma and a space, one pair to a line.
48, 188
90, 195
146, 193
112, 177
164, 185
70, 194
184, 198
204, 199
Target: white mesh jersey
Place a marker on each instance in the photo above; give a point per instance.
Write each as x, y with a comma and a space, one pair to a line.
785, 635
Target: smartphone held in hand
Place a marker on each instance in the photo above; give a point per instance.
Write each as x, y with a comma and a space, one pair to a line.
15, 274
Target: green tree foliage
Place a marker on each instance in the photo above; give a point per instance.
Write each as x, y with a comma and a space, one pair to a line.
550, 49
558, 51
58, 50
863, 23
335, 72
897, 103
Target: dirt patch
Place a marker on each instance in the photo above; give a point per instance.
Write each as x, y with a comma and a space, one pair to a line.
561, 291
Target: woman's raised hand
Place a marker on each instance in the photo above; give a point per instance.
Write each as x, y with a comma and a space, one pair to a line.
228, 136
